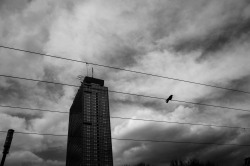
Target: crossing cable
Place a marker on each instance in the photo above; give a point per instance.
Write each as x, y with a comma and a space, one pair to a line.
142, 140
123, 69
136, 119
125, 93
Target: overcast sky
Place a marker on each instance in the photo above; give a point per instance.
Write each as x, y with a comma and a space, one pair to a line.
206, 41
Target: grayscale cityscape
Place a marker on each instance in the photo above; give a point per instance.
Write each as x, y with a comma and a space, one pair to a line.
125, 82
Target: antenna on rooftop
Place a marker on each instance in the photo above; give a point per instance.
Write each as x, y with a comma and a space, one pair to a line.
87, 69
92, 72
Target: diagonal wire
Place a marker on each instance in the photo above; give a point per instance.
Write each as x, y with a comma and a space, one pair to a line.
140, 140
179, 142
127, 70
136, 119
35, 109
125, 93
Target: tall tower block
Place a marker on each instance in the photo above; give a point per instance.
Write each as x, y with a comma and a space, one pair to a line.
89, 134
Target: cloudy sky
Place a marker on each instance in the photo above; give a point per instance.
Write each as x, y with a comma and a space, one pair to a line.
206, 41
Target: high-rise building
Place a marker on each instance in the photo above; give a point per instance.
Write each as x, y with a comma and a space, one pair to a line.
89, 134
247, 161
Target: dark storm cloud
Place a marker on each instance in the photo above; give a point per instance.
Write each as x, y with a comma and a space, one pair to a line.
122, 56
162, 153
226, 96
52, 91
23, 115
137, 35
165, 152
24, 25
13, 6
238, 153
52, 154
13, 92
217, 155
16, 92
235, 29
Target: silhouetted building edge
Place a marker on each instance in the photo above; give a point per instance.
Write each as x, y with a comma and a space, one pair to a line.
89, 133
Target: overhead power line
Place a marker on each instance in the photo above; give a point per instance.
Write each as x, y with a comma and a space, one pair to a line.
125, 93
136, 119
127, 70
178, 142
142, 140
181, 123
35, 109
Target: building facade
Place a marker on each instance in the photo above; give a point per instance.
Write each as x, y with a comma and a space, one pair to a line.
247, 161
89, 133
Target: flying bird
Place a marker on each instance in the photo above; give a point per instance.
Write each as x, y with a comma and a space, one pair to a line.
169, 98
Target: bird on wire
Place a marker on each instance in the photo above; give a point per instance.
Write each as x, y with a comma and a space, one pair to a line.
169, 98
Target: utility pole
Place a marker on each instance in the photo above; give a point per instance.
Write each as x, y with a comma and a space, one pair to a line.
7, 145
